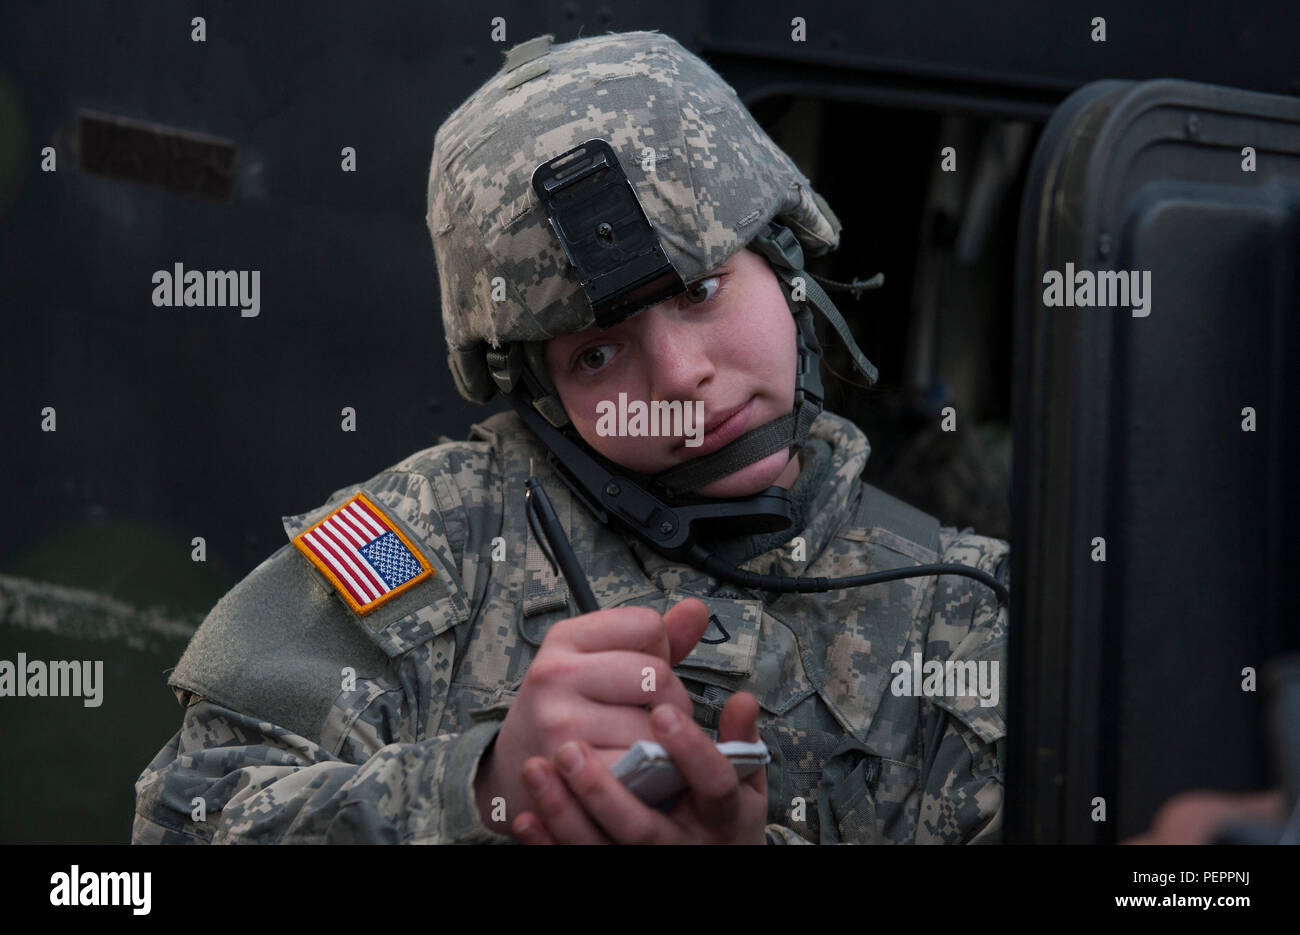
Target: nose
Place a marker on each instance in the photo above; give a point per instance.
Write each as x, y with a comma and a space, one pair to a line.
676, 353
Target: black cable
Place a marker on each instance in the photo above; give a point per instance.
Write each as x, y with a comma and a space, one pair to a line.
715, 566
857, 287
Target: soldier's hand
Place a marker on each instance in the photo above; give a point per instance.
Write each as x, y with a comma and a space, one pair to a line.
591, 682
579, 802
1196, 817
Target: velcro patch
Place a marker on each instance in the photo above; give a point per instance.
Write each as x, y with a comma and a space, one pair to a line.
364, 554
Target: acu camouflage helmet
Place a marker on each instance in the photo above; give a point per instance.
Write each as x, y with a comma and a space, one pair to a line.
707, 175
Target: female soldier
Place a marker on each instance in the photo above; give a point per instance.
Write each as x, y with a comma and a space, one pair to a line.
609, 224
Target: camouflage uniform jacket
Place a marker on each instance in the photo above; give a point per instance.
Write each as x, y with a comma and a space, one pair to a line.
279, 753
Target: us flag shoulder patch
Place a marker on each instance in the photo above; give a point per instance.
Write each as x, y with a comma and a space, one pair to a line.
364, 554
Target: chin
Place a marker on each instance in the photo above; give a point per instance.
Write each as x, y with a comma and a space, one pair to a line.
750, 480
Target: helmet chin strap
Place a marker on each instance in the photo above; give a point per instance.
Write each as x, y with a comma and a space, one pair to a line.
780, 247
681, 532
788, 431
511, 367
610, 492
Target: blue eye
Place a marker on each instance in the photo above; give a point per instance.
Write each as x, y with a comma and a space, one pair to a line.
700, 292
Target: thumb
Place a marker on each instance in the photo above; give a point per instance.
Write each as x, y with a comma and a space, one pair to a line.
685, 622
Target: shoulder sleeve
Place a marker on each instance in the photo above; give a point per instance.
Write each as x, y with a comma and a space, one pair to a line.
275, 644
227, 778
963, 733
264, 670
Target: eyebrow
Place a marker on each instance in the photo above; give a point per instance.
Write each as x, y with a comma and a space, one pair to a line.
726, 267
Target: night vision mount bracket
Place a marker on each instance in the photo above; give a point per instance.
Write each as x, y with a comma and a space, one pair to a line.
605, 233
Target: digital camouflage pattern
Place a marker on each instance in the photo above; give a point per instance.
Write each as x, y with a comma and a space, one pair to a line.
279, 752
716, 179
306, 722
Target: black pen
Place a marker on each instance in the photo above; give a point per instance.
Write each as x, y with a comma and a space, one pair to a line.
539, 505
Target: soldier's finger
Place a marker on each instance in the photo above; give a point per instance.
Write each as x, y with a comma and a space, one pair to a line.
618, 812
528, 829
605, 727
625, 678
710, 777
685, 622
638, 629
739, 718
739, 721
564, 819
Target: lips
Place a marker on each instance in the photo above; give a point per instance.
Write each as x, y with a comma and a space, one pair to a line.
720, 430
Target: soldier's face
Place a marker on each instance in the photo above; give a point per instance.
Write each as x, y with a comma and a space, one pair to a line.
735, 350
